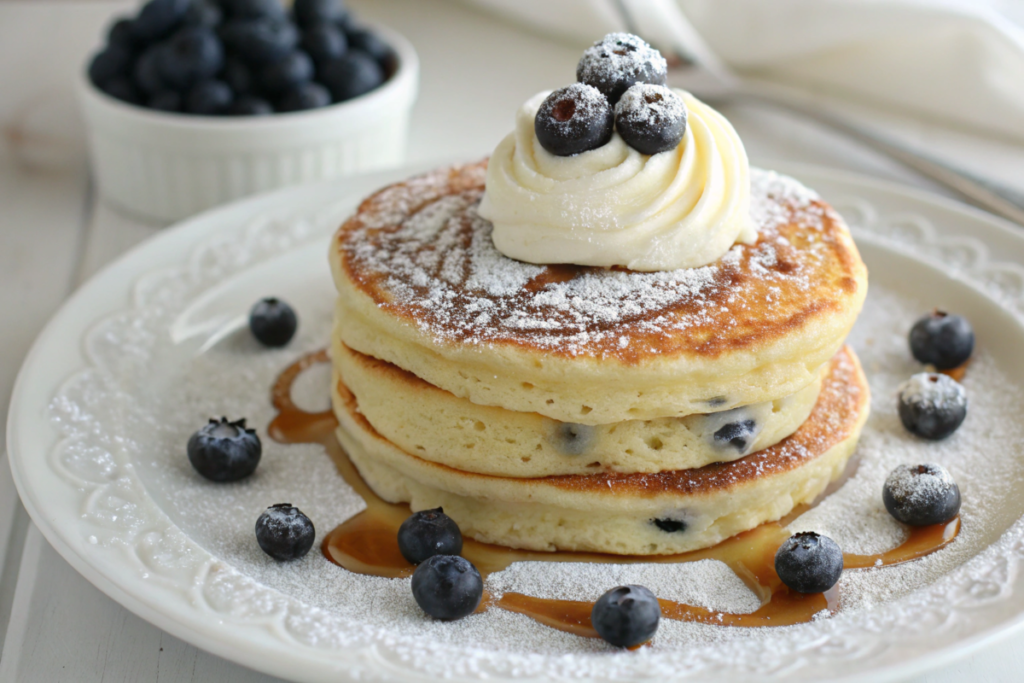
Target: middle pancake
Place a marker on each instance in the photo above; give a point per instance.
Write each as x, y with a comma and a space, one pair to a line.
440, 427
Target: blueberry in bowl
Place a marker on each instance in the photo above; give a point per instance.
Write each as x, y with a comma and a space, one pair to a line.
193, 103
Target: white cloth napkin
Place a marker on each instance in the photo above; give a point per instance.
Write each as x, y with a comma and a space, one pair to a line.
958, 62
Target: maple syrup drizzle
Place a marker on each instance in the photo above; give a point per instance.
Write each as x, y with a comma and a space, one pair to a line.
367, 543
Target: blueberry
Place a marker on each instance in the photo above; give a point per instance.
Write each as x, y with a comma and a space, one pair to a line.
921, 495
225, 451
203, 13
192, 55
670, 526
158, 18
209, 98
932, 405
943, 340
146, 73
256, 9
112, 62
324, 42
808, 562
260, 41
427, 533
309, 12
248, 105
167, 100
293, 70
284, 533
305, 96
617, 62
626, 616
273, 322
737, 434
447, 587
573, 439
651, 118
237, 75
370, 43
122, 34
574, 119
355, 74
123, 89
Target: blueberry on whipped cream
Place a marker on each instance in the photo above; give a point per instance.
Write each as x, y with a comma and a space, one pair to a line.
617, 62
573, 119
651, 118
921, 495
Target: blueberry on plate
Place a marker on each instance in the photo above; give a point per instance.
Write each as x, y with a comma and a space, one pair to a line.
166, 100
921, 495
192, 55
626, 616
370, 43
284, 533
112, 62
617, 62
651, 118
324, 42
273, 322
293, 70
249, 105
255, 9
225, 451
260, 41
310, 12
808, 562
943, 340
447, 587
123, 89
209, 98
574, 119
158, 18
355, 74
146, 73
305, 96
427, 533
932, 405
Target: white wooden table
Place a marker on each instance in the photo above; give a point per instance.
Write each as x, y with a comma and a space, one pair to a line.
54, 625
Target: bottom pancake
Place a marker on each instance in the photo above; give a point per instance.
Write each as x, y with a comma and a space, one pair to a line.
636, 514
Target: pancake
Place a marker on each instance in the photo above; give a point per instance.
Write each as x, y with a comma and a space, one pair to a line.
422, 286
648, 514
438, 426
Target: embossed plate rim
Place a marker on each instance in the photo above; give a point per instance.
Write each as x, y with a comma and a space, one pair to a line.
59, 353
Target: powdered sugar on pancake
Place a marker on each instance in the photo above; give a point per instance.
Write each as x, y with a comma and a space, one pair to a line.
431, 254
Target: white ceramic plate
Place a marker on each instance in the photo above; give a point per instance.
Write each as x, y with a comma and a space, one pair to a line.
146, 349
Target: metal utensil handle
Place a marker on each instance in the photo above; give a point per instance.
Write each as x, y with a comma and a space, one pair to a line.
982, 192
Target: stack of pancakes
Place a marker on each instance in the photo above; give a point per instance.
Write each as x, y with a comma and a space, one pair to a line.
576, 408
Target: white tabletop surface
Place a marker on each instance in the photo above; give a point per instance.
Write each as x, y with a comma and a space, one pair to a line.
476, 70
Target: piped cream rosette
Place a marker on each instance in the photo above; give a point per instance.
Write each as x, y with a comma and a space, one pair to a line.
613, 206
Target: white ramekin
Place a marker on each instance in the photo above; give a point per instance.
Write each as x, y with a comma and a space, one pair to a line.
168, 166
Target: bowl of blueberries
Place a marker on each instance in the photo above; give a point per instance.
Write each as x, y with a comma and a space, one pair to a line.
193, 103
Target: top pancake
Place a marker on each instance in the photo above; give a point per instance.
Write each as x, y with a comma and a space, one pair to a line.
422, 286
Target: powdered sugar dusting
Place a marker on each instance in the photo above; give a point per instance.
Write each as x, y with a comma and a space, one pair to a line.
438, 265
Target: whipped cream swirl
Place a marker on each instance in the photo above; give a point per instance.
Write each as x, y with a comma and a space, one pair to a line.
613, 206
